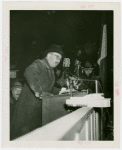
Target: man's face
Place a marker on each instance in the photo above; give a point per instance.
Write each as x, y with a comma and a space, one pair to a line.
54, 59
13, 74
88, 72
16, 92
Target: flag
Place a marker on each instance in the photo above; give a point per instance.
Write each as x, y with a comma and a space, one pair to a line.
103, 60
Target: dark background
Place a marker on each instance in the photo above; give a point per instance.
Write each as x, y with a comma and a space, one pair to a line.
32, 32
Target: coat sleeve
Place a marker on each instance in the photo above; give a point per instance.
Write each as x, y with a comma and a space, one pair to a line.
31, 75
56, 91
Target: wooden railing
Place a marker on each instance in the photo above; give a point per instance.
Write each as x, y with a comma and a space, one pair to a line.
80, 125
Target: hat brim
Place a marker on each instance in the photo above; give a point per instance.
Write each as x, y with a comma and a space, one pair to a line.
14, 70
88, 68
16, 87
52, 51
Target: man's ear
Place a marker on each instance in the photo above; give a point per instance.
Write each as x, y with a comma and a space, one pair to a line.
13, 93
48, 55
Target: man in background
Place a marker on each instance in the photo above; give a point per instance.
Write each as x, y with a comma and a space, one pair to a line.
88, 77
15, 93
13, 74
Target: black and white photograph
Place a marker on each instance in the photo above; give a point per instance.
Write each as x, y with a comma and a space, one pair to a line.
61, 75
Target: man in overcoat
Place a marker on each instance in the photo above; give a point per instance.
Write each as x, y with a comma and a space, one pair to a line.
14, 95
40, 81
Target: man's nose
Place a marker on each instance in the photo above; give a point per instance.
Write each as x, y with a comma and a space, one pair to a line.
18, 92
58, 61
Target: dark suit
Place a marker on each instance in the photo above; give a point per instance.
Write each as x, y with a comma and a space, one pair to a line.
12, 106
28, 111
89, 84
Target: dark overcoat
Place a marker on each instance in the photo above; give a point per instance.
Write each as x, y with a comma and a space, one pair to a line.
28, 110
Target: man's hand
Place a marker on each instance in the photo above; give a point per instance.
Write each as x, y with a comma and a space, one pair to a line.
45, 94
37, 94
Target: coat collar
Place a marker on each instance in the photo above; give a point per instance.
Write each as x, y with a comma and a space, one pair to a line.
46, 63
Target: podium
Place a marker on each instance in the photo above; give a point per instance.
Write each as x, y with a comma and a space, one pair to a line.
54, 107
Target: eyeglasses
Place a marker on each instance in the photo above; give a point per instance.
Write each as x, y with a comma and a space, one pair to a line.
57, 57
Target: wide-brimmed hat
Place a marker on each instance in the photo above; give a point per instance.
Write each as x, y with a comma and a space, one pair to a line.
13, 68
17, 84
54, 48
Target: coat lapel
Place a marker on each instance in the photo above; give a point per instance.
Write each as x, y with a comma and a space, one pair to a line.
50, 70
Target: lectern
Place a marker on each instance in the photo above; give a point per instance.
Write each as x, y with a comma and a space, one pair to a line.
55, 107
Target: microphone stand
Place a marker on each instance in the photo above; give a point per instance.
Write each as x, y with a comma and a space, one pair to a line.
71, 86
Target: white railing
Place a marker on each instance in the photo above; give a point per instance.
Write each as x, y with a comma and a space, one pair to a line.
80, 125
